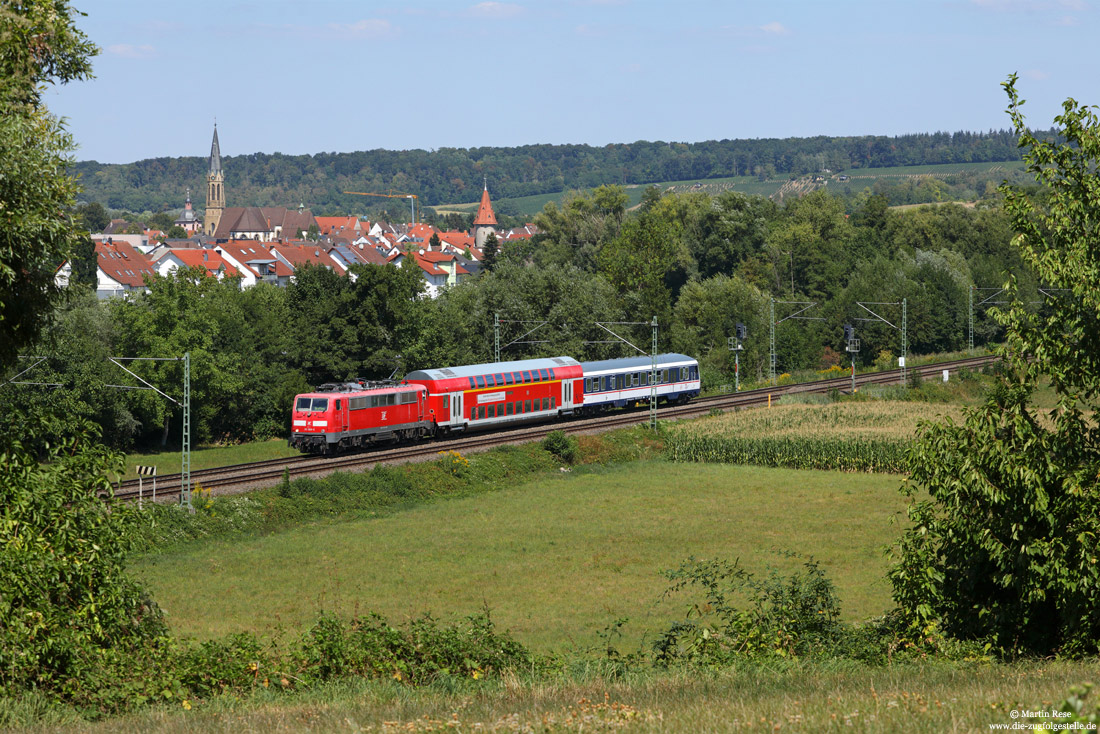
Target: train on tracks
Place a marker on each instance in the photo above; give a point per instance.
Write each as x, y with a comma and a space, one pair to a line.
436, 402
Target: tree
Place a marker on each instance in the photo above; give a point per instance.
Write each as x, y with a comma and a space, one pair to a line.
638, 260
434, 243
93, 217
66, 602
39, 45
1006, 547
491, 250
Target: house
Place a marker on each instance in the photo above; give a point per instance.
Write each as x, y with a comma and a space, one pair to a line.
295, 256
208, 260
362, 254
254, 263
525, 232
455, 242
139, 242
439, 269
422, 232
63, 275
340, 226
120, 269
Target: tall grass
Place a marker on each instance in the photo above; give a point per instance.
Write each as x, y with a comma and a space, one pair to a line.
921, 698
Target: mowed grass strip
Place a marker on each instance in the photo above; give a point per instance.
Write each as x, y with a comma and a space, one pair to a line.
555, 560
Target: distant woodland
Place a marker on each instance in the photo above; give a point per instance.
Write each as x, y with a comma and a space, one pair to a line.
453, 175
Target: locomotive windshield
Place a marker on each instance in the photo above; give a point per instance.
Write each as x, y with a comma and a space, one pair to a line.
306, 405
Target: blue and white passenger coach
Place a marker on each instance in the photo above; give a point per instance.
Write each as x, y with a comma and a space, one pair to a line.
615, 383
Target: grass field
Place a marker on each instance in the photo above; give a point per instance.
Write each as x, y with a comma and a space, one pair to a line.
555, 560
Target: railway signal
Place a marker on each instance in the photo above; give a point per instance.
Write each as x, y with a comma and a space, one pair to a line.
736, 346
851, 345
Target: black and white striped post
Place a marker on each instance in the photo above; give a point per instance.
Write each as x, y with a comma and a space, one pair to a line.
146, 471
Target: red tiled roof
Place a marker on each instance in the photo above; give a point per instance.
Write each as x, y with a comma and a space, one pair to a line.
248, 251
429, 261
314, 255
485, 216
344, 224
121, 262
208, 259
423, 231
461, 240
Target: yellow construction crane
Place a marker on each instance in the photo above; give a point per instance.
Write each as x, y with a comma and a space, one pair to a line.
413, 200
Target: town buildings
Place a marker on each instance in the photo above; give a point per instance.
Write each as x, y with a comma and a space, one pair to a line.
268, 244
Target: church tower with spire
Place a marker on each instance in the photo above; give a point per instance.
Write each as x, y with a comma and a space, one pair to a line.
215, 188
485, 221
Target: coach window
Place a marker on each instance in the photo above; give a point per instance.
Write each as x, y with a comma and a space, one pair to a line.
546, 403
507, 378
551, 370
500, 380
526, 406
509, 409
472, 385
544, 374
553, 402
473, 413
526, 376
480, 381
446, 402
645, 378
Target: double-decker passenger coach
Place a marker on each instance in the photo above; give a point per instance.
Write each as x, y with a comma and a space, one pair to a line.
489, 395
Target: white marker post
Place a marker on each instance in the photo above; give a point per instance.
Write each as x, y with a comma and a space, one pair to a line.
146, 471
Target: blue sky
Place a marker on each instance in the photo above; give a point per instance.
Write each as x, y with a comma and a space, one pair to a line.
343, 75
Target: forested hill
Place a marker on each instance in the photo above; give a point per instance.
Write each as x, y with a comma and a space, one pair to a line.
451, 175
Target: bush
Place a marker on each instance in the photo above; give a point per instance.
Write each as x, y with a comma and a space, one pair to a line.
561, 445
420, 653
66, 601
786, 616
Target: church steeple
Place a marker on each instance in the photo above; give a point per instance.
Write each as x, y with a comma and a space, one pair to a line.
215, 189
215, 153
485, 221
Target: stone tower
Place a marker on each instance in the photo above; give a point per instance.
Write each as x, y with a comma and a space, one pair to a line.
215, 188
485, 221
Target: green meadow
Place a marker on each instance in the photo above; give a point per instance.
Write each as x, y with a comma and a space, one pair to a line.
555, 559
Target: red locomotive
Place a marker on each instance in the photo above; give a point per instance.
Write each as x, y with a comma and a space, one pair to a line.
353, 414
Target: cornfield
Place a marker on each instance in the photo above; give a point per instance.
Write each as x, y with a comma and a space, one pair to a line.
863, 437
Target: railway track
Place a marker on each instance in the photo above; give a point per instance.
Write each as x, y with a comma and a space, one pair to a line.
242, 477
